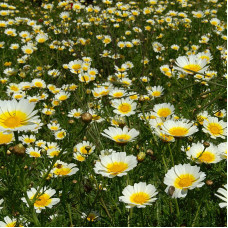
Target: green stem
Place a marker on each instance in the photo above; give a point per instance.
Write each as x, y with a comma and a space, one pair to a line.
106, 209
129, 217
171, 153
16, 137
70, 215
178, 210
197, 213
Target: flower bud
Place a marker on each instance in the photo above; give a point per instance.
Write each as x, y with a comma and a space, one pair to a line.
86, 117
206, 144
19, 149
141, 156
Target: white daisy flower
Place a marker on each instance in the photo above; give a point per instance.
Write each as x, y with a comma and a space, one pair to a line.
139, 195
191, 64
17, 116
215, 127
178, 128
115, 164
43, 199
182, 178
200, 154
85, 148
124, 107
119, 135
33, 152
163, 110
64, 169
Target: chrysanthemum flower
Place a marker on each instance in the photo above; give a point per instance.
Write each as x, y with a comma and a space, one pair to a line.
64, 169
191, 64
182, 178
79, 157
41, 38
75, 66
8, 222
76, 113
200, 154
33, 152
43, 199
60, 134
115, 164
53, 152
178, 128
222, 195
27, 139
139, 195
124, 107
17, 116
119, 135
164, 109
85, 148
214, 127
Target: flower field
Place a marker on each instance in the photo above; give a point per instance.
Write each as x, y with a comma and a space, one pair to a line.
113, 113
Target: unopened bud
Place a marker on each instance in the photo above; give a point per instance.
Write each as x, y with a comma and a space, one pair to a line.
71, 121
18, 149
171, 190
150, 152
141, 156
74, 181
209, 182
206, 144
86, 117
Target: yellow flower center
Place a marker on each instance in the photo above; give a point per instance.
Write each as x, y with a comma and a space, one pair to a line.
76, 66
5, 138
156, 93
139, 198
38, 84
178, 131
35, 154
28, 51
164, 112
13, 119
116, 167
184, 181
85, 78
77, 114
84, 151
80, 158
54, 153
206, 156
61, 135
63, 97
205, 57
91, 217
122, 138
28, 140
118, 94
124, 108
41, 40
43, 201
192, 67
12, 224
62, 171
215, 128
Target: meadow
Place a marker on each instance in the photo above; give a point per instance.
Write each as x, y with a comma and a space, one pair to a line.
113, 113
